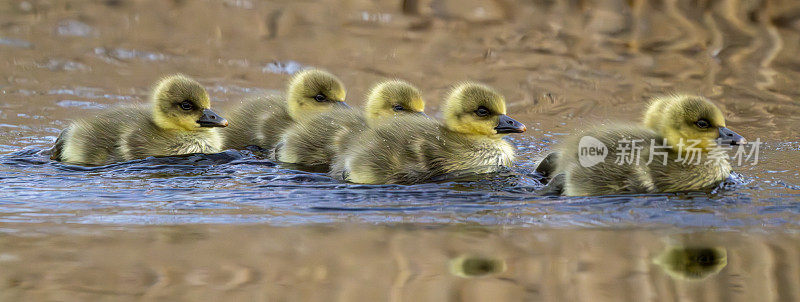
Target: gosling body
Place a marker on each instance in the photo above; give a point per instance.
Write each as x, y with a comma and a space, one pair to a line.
411, 150
261, 121
178, 121
257, 122
314, 141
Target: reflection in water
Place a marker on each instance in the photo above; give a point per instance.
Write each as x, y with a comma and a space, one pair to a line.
352, 263
476, 266
692, 263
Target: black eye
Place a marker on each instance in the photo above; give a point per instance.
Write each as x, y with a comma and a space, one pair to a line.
187, 105
398, 108
703, 124
320, 98
482, 111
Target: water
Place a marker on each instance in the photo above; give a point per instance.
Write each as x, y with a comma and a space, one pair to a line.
242, 187
238, 226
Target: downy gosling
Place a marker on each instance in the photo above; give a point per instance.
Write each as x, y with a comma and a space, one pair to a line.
680, 134
413, 149
179, 121
262, 120
314, 141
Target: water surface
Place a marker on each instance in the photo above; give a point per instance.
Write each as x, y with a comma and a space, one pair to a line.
237, 225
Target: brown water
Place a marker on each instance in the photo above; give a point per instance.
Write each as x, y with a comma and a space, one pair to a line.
235, 226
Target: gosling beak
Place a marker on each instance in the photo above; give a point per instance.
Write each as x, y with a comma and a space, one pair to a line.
211, 119
728, 137
342, 104
509, 125
423, 114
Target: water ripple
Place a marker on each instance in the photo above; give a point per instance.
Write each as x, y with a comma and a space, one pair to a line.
189, 186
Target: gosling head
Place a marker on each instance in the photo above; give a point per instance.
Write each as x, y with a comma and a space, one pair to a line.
693, 120
393, 98
477, 109
181, 103
312, 91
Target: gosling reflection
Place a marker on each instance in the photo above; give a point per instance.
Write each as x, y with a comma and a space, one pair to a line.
692, 263
466, 266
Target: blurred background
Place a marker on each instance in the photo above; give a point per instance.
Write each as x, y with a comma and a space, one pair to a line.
557, 62
245, 228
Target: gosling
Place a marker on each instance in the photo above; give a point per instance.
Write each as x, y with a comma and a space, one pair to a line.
678, 149
413, 149
179, 121
314, 141
261, 121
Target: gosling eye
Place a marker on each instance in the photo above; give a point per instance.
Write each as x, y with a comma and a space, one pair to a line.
320, 98
702, 124
482, 111
398, 108
187, 105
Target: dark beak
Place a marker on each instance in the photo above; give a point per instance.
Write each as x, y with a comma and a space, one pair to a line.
728, 137
509, 125
211, 119
423, 114
342, 104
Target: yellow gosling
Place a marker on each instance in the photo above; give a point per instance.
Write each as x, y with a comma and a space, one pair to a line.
179, 120
412, 149
680, 133
262, 120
